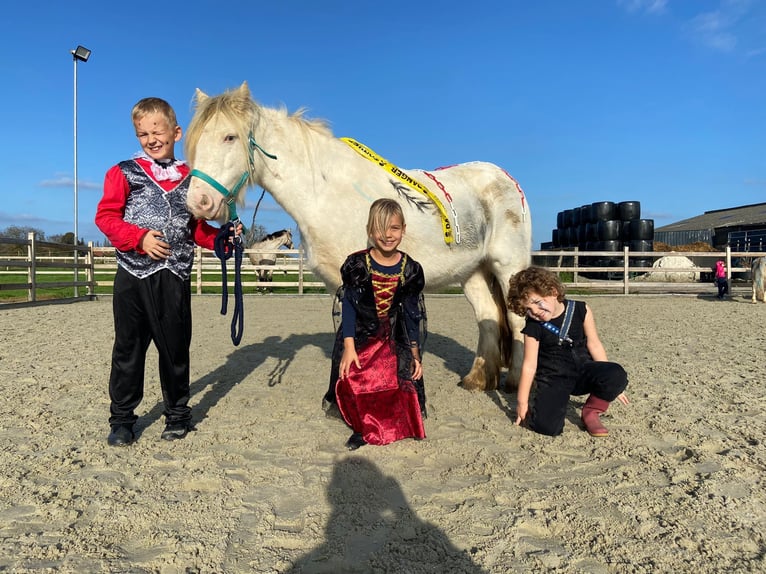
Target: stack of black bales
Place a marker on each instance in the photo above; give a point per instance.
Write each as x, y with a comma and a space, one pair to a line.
605, 226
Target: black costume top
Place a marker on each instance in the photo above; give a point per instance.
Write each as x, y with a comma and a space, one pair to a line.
357, 289
560, 361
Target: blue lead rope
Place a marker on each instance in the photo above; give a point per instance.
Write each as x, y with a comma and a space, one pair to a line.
224, 250
563, 333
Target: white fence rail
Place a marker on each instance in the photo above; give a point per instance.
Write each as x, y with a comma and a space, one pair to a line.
634, 271
29, 266
290, 262
29, 259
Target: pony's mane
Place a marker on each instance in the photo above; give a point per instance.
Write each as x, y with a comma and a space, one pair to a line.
276, 234
243, 113
319, 126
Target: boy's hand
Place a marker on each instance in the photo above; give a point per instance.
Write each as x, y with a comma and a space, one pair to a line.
154, 245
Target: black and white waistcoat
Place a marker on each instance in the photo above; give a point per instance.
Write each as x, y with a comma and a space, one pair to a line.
151, 207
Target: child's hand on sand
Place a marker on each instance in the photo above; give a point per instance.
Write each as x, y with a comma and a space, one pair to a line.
623, 398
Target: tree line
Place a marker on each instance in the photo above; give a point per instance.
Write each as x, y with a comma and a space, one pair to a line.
255, 233
22, 232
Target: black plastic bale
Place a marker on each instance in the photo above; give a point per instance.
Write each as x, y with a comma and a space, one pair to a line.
639, 262
641, 245
602, 211
609, 230
625, 231
609, 245
629, 210
641, 229
563, 234
568, 216
582, 233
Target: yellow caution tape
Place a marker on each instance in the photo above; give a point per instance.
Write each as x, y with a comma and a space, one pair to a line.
408, 180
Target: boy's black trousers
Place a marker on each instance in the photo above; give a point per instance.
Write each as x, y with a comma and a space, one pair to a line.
156, 308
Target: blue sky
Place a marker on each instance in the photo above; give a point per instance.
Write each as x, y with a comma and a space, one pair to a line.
657, 101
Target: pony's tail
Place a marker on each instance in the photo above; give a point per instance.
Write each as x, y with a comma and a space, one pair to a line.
503, 324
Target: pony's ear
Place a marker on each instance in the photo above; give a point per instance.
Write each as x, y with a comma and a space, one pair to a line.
244, 90
200, 96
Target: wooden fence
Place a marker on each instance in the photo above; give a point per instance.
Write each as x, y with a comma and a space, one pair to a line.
206, 271
88, 270
28, 260
629, 272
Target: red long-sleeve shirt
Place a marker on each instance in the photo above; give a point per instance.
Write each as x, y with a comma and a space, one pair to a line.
126, 236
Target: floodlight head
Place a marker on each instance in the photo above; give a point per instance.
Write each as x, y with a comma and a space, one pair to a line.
81, 53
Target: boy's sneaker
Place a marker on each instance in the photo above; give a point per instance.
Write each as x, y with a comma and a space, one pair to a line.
121, 435
176, 431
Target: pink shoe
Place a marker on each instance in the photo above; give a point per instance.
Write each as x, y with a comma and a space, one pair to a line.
591, 410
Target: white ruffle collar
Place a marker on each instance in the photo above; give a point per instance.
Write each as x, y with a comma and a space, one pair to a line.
163, 169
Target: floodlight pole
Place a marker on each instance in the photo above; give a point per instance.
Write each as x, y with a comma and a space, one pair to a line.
82, 54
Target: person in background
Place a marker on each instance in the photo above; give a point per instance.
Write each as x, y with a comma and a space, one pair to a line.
143, 214
563, 356
376, 377
720, 278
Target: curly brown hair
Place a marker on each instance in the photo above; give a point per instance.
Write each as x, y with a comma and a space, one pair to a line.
532, 280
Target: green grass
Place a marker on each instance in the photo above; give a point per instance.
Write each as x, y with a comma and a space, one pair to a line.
46, 293
42, 293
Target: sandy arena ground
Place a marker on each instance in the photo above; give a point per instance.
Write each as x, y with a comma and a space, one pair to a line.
265, 485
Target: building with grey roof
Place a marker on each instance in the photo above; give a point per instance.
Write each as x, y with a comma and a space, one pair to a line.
741, 228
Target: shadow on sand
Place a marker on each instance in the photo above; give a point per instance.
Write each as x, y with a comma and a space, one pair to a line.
239, 364
244, 360
372, 528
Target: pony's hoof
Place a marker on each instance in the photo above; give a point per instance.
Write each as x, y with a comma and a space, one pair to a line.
471, 384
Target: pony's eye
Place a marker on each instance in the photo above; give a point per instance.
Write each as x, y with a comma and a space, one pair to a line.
229, 138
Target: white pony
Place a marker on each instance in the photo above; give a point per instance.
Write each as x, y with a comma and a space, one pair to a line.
327, 186
758, 268
263, 252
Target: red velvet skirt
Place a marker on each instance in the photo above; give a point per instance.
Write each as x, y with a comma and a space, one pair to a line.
374, 402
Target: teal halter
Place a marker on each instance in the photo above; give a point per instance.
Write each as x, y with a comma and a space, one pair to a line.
230, 196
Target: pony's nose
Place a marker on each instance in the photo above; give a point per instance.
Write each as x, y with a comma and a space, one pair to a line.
201, 204
204, 201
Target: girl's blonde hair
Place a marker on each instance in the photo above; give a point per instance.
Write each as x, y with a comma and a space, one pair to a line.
382, 211
532, 279
154, 106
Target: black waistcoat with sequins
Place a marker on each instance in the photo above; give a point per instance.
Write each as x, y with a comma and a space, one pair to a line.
151, 207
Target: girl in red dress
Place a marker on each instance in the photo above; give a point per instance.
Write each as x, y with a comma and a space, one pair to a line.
376, 377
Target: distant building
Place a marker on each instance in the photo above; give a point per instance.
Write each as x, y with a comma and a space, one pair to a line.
741, 228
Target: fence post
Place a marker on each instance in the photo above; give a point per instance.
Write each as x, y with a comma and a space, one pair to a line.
90, 271
32, 273
198, 257
625, 274
300, 271
728, 263
576, 263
